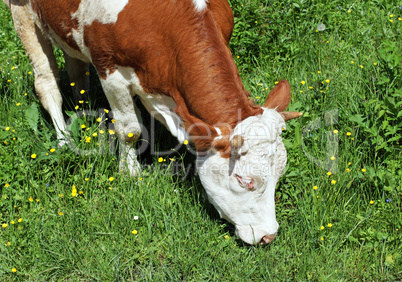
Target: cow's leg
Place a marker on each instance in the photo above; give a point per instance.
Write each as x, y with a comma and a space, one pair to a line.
76, 70
44, 66
127, 116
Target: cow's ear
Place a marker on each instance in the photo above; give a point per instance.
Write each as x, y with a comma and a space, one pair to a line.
279, 97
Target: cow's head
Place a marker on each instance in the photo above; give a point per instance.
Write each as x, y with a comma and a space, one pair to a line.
242, 187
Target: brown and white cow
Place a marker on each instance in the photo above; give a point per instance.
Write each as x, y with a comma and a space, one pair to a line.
174, 56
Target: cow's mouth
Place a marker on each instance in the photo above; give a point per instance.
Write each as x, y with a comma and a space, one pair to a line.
245, 181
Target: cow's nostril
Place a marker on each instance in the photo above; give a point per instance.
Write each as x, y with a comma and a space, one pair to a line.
267, 239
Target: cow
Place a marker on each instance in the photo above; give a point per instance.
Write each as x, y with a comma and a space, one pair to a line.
174, 56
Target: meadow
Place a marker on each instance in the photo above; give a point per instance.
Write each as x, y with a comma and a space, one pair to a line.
73, 216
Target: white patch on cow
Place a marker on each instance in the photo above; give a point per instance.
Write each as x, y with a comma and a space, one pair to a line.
200, 5
162, 108
103, 11
261, 158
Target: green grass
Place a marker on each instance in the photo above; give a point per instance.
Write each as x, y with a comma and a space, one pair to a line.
179, 236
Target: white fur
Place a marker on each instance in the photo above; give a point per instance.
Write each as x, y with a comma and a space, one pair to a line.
200, 5
262, 158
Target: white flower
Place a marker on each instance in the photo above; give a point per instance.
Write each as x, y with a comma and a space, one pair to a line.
136, 217
321, 27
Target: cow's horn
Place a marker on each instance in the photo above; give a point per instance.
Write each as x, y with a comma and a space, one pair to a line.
290, 115
237, 141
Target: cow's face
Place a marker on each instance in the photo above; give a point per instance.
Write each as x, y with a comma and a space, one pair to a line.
242, 187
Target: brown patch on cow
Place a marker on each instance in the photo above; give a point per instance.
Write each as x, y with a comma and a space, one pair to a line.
56, 14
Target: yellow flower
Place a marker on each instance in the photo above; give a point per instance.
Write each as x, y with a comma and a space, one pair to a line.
14, 270
227, 237
4, 225
111, 131
95, 134
12, 222
185, 142
303, 82
238, 56
332, 158
329, 225
20, 220
134, 232
81, 101
160, 159
311, 87
336, 131
82, 91
106, 111
52, 150
18, 104
111, 178
347, 170
391, 21
352, 62
333, 181
87, 73
77, 107
101, 131
371, 202
349, 11
83, 126
391, 16
319, 71
348, 133
363, 170
8, 244
276, 82
329, 173
130, 135
88, 139
322, 238
327, 81
7, 128
86, 179
72, 83
113, 121
29, 72
60, 213
37, 200
74, 191
31, 199
361, 66
33, 156
315, 187
81, 192
6, 185
99, 119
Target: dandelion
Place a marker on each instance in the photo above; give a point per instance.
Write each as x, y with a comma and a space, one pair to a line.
82, 91
6, 185
111, 178
37, 200
322, 227
4, 225
101, 131
77, 107
371, 202
29, 72
7, 128
52, 150
31, 199
99, 119
348, 133
303, 82
8, 244
74, 191
332, 158
185, 142
276, 82
329, 173
238, 57
72, 83
33, 156
352, 62
12, 222
333, 182
315, 187
111, 131
160, 159
95, 134
349, 11
130, 135
311, 87
83, 126
327, 81
134, 232
361, 66
81, 101
18, 104
88, 139
322, 238
227, 237
81, 192
106, 111
14, 270
20, 220
329, 225
347, 170
363, 170
60, 213
335, 131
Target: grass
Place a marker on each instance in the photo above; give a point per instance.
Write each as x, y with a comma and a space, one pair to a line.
159, 226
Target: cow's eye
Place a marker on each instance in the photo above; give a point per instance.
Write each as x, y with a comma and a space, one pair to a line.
245, 181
